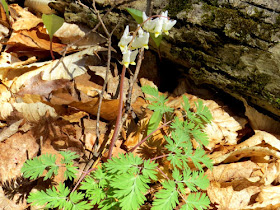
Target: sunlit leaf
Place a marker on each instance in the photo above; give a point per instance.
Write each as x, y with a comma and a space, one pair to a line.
5, 6
52, 23
136, 14
154, 122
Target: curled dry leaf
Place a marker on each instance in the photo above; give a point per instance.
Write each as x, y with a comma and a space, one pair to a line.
259, 121
11, 130
229, 198
34, 41
234, 172
70, 67
70, 33
23, 19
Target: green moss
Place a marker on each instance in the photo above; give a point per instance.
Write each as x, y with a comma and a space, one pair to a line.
278, 20
176, 6
234, 25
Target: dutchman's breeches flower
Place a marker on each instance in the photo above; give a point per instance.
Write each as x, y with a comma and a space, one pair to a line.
129, 46
129, 57
125, 40
159, 25
141, 40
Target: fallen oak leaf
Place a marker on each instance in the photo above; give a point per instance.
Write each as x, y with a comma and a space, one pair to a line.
68, 68
108, 110
23, 19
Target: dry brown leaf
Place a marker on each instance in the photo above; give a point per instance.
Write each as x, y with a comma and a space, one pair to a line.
13, 154
70, 67
113, 88
70, 33
35, 85
23, 19
259, 121
226, 198
33, 112
75, 117
109, 109
8, 204
88, 87
33, 40
11, 130
6, 110
233, 172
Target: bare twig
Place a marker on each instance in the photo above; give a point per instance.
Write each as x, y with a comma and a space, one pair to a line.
106, 76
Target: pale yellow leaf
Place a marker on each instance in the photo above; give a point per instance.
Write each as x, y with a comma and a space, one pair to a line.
5, 110
70, 67
35, 111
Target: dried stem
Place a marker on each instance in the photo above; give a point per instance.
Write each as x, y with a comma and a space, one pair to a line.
106, 76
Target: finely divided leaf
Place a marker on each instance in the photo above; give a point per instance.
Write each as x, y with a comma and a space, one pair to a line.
197, 201
35, 167
58, 198
166, 198
123, 164
130, 190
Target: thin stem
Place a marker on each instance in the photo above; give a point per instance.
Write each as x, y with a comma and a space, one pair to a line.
51, 43
119, 117
158, 157
82, 177
141, 142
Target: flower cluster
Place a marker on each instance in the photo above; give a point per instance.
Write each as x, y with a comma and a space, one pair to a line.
130, 44
158, 25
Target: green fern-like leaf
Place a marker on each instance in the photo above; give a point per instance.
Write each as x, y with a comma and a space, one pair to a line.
166, 198
94, 186
199, 157
35, 167
129, 178
195, 179
157, 101
68, 157
197, 201
58, 198
130, 190
124, 164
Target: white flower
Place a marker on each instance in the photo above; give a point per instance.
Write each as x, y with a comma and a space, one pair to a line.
158, 28
126, 38
149, 25
167, 24
141, 40
129, 57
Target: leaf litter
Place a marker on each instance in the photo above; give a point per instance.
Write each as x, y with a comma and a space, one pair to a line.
49, 106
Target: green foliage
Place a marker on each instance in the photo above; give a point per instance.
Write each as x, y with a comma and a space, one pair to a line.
136, 14
59, 198
35, 167
157, 105
124, 181
52, 23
